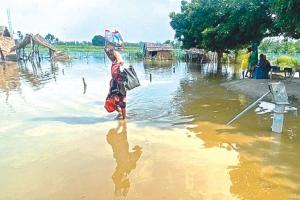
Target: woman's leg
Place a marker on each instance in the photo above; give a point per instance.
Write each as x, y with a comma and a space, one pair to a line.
123, 106
119, 112
123, 113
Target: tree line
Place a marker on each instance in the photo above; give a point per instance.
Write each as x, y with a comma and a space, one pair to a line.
275, 45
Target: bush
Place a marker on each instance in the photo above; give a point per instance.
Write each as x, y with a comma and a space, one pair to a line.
287, 61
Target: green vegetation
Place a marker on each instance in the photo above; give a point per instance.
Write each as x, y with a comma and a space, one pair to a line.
286, 48
51, 38
287, 17
222, 25
98, 40
275, 45
287, 61
78, 48
89, 48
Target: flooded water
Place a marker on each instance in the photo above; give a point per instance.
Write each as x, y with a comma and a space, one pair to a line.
58, 143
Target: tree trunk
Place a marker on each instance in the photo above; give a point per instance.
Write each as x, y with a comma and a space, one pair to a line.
219, 61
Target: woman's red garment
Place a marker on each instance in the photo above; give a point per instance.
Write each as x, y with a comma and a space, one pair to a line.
118, 98
115, 72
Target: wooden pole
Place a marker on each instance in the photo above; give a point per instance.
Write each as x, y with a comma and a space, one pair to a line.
84, 85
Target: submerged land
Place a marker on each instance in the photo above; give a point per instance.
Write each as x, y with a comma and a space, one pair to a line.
58, 142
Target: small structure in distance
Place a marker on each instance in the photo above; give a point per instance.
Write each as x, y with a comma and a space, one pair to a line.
35, 41
158, 51
196, 55
6, 43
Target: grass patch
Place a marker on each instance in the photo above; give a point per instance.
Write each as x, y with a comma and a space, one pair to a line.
287, 61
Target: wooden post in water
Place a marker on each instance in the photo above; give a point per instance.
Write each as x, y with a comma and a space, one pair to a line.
84, 85
150, 78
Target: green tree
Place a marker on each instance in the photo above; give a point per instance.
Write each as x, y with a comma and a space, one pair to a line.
287, 17
297, 46
220, 25
276, 45
50, 37
168, 42
98, 40
20, 35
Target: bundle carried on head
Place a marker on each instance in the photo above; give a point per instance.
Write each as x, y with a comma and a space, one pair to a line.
114, 41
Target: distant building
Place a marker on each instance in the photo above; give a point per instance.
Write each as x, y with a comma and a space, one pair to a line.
158, 51
196, 55
6, 44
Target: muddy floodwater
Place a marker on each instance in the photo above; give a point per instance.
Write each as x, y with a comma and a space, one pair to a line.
58, 143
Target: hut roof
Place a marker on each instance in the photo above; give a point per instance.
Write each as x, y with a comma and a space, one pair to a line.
158, 47
37, 38
195, 51
6, 43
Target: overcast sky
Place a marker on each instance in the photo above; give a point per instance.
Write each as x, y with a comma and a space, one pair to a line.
138, 20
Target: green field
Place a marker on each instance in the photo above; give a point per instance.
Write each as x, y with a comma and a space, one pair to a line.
90, 48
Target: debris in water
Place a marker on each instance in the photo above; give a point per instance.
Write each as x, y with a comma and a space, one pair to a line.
84, 85
267, 107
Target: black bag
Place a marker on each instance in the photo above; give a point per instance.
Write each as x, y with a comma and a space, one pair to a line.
130, 78
117, 88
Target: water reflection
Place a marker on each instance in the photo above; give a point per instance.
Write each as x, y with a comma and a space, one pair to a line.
38, 74
245, 162
126, 160
12, 75
9, 78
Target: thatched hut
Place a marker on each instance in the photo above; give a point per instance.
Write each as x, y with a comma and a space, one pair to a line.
35, 41
6, 44
158, 51
196, 55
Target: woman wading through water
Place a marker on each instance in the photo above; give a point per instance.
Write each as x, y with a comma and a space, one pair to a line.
120, 81
116, 99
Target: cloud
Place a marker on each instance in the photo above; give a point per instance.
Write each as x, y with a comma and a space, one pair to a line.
138, 20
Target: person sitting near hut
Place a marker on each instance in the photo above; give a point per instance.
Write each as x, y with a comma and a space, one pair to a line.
117, 89
263, 62
263, 68
245, 62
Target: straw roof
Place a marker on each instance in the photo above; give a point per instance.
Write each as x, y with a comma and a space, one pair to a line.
6, 43
195, 51
157, 47
36, 38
